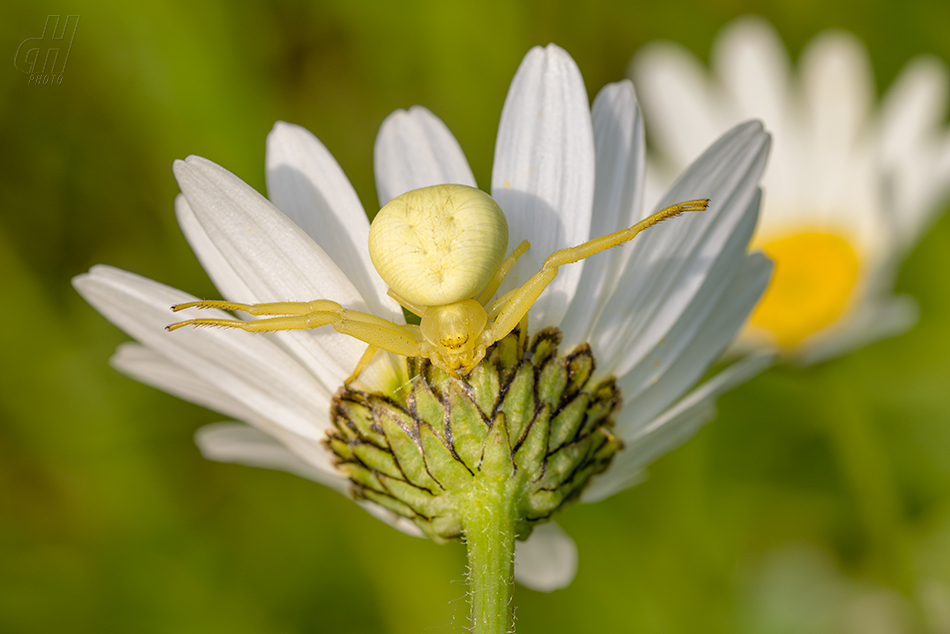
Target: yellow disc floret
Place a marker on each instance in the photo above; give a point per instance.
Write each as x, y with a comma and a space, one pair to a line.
815, 275
439, 245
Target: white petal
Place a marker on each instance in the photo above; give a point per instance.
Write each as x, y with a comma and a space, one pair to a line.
274, 258
753, 66
754, 70
672, 428
547, 560
618, 198
913, 108
838, 87
243, 444
300, 343
914, 148
252, 370
733, 274
682, 110
225, 278
719, 328
386, 516
543, 174
670, 262
415, 149
147, 366
876, 320
236, 443
307, 184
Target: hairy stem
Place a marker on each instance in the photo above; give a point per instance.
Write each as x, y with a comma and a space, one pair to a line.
489, 521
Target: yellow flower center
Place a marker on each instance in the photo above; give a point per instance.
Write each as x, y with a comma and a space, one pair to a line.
814, 277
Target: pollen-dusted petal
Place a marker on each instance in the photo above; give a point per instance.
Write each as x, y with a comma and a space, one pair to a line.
415, 149
543, 173
275, 258
618, 202
243, 444
672, 260
547, 560
682, 109
306, 183
252, 370
672, 428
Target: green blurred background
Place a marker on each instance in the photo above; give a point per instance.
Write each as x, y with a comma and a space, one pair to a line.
819, 497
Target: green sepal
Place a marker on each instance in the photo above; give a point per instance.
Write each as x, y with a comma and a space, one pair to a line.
526, 429
447, 470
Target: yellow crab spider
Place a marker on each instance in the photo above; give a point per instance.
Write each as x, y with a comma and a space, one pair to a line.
441, 251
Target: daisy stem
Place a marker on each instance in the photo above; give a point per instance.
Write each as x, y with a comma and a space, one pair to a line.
489, 521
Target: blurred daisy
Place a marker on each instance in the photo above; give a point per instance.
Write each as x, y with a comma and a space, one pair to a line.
656, 313
850, 187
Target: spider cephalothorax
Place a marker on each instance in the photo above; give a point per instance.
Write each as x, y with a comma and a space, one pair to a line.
441, 251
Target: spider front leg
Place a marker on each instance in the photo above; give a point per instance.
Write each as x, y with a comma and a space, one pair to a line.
513, 307
376, 331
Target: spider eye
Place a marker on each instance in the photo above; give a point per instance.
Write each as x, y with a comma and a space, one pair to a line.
439, 245
456, 326
454, 343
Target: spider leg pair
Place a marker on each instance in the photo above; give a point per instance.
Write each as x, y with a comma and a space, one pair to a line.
454, 336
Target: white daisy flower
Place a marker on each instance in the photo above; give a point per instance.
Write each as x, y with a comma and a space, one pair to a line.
656, 313
850, 186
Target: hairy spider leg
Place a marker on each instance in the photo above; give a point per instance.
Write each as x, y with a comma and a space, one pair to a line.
370, 329
513, 307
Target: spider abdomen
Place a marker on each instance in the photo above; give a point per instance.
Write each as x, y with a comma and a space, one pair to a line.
439, 245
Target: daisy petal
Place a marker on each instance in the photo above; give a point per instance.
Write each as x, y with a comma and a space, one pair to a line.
276, 260
306, 183
618, 194
151, 368
719, 328
415, 149
386, 516
754, 68
242, 444
671, 429
655, 286
755, 72
232, 286
682, 110
547, 560
251, 370
878, 319
222, 274
913, 107
543, 174
838, 88
693, 324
